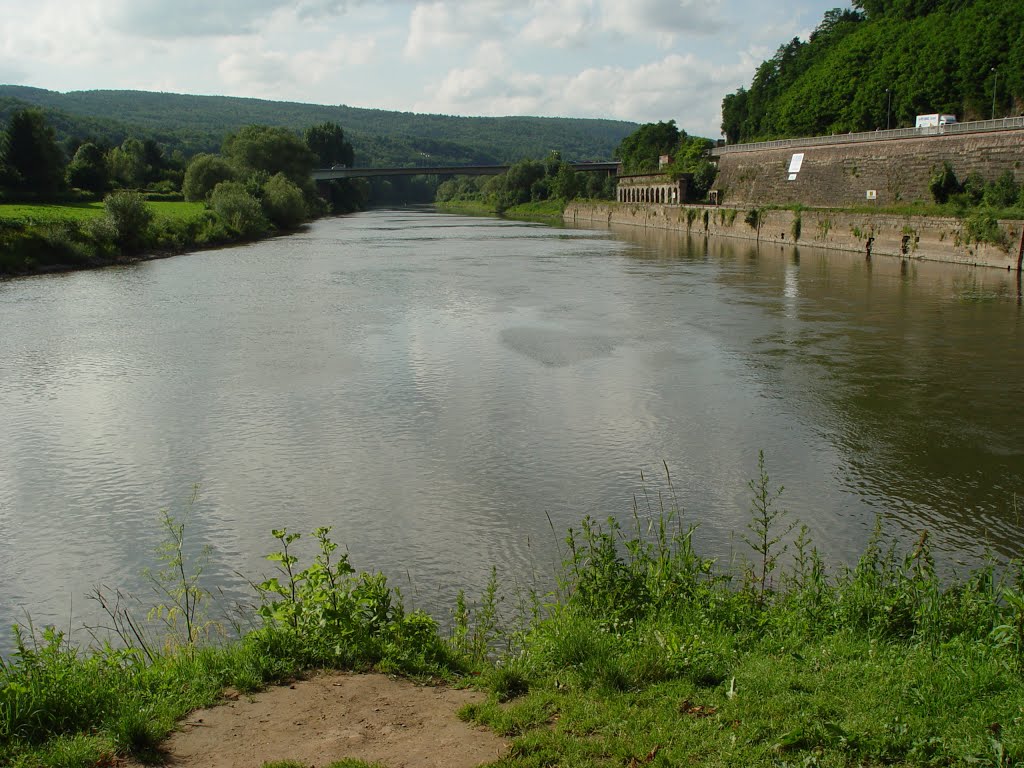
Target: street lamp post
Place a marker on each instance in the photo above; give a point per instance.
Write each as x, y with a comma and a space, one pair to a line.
995, 84
888, 105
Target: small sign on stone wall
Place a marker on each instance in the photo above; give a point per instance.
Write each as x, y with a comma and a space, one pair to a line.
796, 162
872, 194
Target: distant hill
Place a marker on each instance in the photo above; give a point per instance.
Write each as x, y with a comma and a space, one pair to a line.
883, 62
199, 123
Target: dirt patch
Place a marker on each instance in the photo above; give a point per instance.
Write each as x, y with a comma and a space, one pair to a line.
332, 716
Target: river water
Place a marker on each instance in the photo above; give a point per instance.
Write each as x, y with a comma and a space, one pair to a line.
451, 393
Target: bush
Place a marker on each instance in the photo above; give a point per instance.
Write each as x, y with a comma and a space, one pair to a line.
240, 211
1003, 192
944, 183
283, 202
983, 227
130, 216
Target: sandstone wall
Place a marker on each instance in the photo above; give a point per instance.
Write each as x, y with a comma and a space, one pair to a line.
912, 237
840, 175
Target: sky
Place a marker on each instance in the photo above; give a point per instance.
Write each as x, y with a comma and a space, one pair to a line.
637, 60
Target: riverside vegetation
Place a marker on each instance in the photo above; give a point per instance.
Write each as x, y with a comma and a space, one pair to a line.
52, 217
645, 652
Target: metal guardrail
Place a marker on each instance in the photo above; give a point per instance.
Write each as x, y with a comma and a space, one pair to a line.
976, 126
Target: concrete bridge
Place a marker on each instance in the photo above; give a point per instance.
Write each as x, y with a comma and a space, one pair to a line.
325, 174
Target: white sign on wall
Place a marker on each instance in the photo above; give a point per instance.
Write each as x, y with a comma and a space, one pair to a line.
796, 162
872, 194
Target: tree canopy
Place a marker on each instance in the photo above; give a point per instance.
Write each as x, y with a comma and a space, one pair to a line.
271, 150
327, 141
880, 64
34, 163
640, 152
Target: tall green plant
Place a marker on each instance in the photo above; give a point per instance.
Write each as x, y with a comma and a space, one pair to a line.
764, 527
178, 584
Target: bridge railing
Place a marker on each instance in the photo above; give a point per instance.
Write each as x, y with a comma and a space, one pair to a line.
975, 126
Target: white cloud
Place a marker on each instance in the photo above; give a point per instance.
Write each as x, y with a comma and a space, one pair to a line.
251, 67
188, 18
645, 60
680, 87
560, 23
255, 72
662, 18
450, 27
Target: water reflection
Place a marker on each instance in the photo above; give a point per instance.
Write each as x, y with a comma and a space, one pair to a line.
437, 386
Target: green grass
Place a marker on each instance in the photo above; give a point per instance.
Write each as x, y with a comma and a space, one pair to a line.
180, 211
51, 212
469, 207
84, 211
552, 209
644, 652
544, 209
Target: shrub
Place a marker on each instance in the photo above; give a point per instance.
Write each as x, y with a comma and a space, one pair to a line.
130, 216
944, 183
1002, 193
983, 227
239, 210
283, 202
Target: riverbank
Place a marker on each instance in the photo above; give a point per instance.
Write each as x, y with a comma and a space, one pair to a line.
49, 238
644, 652
978, 242
545, 210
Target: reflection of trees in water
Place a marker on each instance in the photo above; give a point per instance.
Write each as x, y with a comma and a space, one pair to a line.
916, 367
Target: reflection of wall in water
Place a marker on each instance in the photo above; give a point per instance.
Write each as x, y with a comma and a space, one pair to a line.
911, 237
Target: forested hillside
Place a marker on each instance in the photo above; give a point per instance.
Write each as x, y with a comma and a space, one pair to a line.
883, 62
199, 123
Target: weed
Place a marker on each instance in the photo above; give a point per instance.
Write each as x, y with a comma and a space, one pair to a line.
981, 226
340, 619
764, 516
178, 584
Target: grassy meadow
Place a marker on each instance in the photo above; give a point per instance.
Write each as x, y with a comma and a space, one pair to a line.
54, 212
53, 237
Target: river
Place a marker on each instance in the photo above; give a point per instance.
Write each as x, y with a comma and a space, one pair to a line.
451, 393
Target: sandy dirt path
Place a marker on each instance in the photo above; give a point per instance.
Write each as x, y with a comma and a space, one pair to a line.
331, 716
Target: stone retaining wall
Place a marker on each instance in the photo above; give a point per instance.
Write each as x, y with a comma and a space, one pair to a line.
912, 237
841, 175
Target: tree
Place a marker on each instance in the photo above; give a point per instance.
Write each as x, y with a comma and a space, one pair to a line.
34, 161
283, 202
734, 115
239, 210
327, 142
566, 183
127, 164
273, 150
639, 152
691, 159
88, 169
515, 185
203, 174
